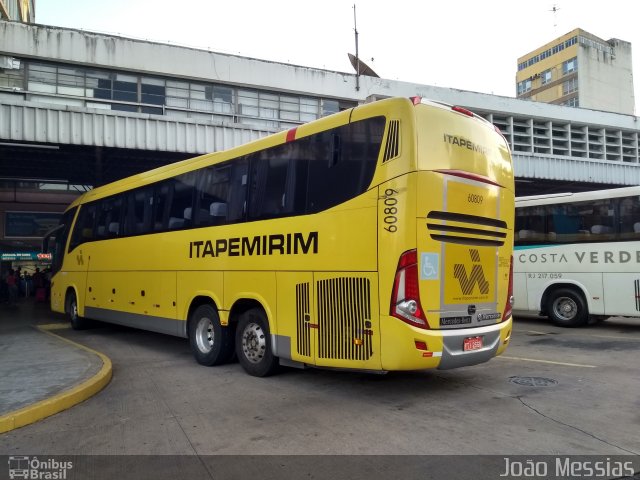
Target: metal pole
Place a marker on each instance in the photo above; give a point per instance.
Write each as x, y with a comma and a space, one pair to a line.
355, 29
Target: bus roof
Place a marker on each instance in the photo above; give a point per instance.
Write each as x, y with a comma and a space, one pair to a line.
567, 197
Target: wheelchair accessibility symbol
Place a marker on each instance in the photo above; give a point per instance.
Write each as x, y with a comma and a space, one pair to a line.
429, 266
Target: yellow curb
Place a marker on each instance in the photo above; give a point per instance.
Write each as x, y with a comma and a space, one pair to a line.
63, 400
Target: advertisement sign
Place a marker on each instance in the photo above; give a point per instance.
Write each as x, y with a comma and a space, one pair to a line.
16, 256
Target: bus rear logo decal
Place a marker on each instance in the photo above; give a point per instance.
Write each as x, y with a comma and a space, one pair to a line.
467, 283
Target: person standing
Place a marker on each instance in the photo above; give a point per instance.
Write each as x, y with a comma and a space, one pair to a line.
12, 285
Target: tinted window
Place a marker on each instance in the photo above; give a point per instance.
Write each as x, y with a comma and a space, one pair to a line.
139, 211
109, 221
61, 240
180, 207
161, 200
268, 176
83, 230
221, 194
342, 163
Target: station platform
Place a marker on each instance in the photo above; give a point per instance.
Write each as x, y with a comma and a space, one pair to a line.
42, 373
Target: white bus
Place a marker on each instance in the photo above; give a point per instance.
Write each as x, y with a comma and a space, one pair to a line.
577, 255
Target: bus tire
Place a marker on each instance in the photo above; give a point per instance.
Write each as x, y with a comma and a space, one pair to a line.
71, 310
567, 307
253, 344
211, 343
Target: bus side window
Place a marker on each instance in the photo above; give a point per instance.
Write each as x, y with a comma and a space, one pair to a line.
161, 200
109, 221
268, 183
345, 168
181, 205
83, 231
213, 195
602, 220
138, 210
629, 219
237, 194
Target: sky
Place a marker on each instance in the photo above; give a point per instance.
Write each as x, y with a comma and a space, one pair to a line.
465, 44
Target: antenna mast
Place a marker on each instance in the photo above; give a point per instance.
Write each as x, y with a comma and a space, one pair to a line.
554, 10
355, 29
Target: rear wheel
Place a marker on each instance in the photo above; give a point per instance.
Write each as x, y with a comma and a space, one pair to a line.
253, 344
71, 310
567, 307
211, 343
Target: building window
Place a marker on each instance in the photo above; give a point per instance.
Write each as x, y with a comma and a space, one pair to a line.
546, 77
547, 53
11, 73
572, 102
524, 86
162, 96
570, 86
570, 66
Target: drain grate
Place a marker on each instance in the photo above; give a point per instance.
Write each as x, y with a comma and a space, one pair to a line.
533, 381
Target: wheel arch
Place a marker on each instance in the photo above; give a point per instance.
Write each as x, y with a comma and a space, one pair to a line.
242, 305
196, 302
79, 305
570, 284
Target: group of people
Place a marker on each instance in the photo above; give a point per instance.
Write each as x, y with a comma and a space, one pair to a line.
15, 284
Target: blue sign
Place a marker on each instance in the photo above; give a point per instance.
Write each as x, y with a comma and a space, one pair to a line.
429, 266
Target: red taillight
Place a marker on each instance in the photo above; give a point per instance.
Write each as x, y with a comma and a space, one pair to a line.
464, 111
416, 100
405, 298
508, 307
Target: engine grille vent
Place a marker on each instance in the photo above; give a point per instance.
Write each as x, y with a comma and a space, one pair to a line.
302, 319
466, 229
392, 148
344, 318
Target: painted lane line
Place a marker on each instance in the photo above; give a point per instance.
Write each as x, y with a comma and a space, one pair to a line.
548, 361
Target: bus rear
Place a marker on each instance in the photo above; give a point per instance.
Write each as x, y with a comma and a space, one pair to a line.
449, 274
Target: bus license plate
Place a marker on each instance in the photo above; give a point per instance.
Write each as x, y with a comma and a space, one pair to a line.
472, 343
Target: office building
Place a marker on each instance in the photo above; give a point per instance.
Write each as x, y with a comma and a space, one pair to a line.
579, 70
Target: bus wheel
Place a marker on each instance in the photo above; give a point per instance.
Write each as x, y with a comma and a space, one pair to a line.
567, 308
211, 343
253, 344
71, 309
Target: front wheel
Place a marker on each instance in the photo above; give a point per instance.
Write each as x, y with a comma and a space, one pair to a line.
211, 343
567, 308
71, 309
253, 344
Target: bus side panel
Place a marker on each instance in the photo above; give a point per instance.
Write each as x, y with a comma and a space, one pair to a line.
296, 336
521, 292
347, 320
72, 275
258, 286
199, 284
548, 265
622, 297
397, 201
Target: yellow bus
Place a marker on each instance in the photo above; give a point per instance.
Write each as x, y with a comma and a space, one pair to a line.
379, 238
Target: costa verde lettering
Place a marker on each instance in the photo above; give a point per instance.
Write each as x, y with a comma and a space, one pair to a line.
280, 244
464, 143
581, 257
